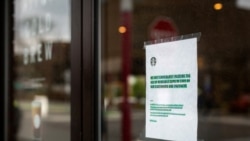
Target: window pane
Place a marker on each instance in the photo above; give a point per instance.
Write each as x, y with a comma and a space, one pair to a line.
223, 62
41, 70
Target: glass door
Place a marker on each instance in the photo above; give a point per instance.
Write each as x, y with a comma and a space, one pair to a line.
41, 70
223, 96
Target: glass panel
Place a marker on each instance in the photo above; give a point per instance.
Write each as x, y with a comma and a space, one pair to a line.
223, 63
41, 70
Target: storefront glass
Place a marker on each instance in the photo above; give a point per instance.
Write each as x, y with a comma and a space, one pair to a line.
223, 62
41, 70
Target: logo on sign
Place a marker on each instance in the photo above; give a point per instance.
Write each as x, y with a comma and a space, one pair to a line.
153, 61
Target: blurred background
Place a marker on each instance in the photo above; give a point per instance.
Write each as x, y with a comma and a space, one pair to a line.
43, 26
223, 61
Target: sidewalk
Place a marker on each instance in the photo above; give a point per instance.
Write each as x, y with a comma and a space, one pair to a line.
226, 119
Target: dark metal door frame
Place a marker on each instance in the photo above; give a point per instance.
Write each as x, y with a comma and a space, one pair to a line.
8, 62
85, 71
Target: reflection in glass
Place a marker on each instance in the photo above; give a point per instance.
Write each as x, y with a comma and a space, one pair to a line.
223, 63
42, 70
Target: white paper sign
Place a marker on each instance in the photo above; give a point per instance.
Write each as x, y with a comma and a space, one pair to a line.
171, 90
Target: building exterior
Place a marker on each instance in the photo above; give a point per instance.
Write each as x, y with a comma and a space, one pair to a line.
75, 69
